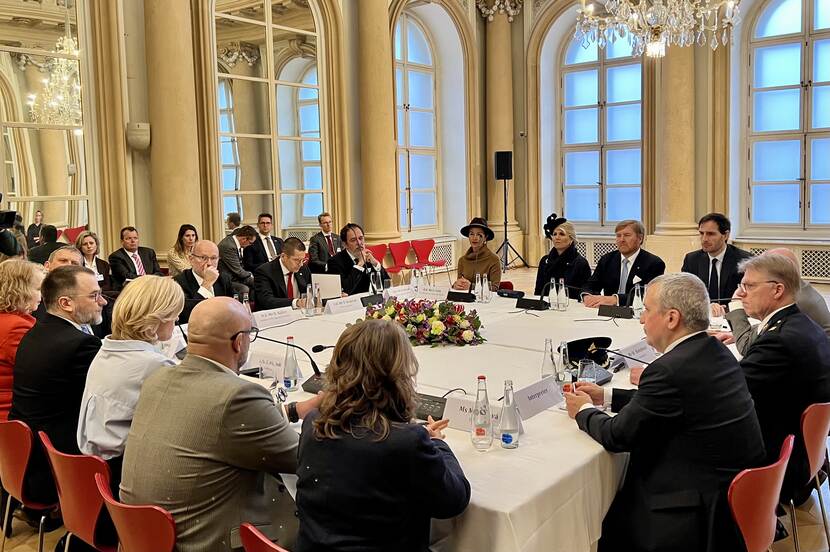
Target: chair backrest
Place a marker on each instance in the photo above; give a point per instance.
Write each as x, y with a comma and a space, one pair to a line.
753, 496
505, 284
81, 504
15, 448
399, 251
423, 249
815, 424
139, 528
254, 541
379, 251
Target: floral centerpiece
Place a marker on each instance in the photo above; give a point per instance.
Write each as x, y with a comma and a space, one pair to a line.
431, 322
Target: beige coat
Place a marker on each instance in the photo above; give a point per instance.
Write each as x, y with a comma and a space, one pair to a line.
483, 262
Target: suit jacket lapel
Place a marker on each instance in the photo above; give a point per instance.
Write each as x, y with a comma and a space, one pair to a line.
703, 267
279, 279
728, 267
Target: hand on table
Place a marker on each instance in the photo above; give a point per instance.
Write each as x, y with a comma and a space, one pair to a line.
435, 428
306, 406
634, 374
302, 302
575, 401
594, 301
592, 390
727, 338
717, 310
462, 284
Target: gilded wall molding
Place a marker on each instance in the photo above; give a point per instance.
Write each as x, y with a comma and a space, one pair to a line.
234, 52
489, 9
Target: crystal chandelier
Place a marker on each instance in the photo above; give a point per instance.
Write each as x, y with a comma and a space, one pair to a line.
651, 25
59, 101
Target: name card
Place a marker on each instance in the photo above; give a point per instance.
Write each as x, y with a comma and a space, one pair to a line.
276, 317
401, 292
640, 350
537, 397
459, 411
431, 293
270, 363
344, 304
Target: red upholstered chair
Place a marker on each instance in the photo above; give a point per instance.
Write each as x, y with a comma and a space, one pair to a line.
753, 496
399, 251
423, 249
139, 528
73, 233
379, 251
81, 503
815, 424
254, 541
506, 284
15, 449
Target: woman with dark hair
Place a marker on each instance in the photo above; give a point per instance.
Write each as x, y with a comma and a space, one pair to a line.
370, 480
177, 256
563, 261
478, 259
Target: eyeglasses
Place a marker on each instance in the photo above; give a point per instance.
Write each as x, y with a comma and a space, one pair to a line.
252, 334
95, 296
203, 258
746, 287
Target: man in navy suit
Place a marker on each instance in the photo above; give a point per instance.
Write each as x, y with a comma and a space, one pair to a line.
265, 248
131, 261
280, 282
618, 272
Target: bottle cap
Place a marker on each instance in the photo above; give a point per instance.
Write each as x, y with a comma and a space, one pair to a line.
290, 337
482, 378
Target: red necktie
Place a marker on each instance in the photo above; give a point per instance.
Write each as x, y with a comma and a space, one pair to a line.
139, 266
331, 246
290, 285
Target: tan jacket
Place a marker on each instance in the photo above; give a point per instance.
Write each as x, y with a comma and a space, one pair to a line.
205, 445
483, 262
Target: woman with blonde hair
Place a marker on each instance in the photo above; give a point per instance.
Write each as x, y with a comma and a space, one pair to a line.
369, 479
563, 261
144, 315
90, 246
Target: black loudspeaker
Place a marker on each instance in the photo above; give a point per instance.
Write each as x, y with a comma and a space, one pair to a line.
504, 165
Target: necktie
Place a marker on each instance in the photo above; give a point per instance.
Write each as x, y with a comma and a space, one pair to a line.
271, 251
290, 285
623, 276
714, 286
86, 329
331, 245
138, 265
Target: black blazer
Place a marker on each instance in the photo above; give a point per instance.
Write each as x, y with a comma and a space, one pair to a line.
318, 251
32, 232
255, 254
569, 265
103, 268
49, 377
123, 269
40, 254
690, 428
269, 285
351, 280
360, 494
699, 264
787, 368
222, 287
606, 277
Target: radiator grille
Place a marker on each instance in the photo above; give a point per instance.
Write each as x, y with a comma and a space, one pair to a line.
815, 263
299, 233
601, 248
582, 249
755, 251
444, 251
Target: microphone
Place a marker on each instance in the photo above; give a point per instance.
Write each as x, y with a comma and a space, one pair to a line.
320, 348
618, 353
315, 383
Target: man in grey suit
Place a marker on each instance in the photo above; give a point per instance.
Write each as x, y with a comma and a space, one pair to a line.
809, 301
207, 445
230, 255
323, 245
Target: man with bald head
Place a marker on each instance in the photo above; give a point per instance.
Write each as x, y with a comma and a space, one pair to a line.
207, 445
203, 280
809, 301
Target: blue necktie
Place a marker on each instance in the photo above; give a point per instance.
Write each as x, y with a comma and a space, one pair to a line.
86, 329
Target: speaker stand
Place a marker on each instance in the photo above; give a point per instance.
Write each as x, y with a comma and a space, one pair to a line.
502, 251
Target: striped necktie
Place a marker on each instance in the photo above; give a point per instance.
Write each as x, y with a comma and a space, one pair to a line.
138, 265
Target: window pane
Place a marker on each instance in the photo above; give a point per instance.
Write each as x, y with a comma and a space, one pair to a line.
312, 205
820, 159
230, 204
623, 122
581, 168
420, 89
821, 14
423, 171
417, 46
578, 54
229, 182
622, 166
398, 45
402, 171
780, 17
624, 83
306, 93
404, 217
778, 65
296, 207
311, 151
401, 129
619, 48
777, 110
623, 203
580, 126
582, 204
313, 178
821, 61
225, 122
581, 88
294, 118
774, 161
398, 86
248, 206
255, 164
821, 107
290, 164
310, 121
820, 204
776, 204
421, 131
250, 101
227, 150
423, 208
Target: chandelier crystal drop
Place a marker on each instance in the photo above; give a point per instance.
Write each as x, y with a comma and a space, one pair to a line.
59, 100
652, 25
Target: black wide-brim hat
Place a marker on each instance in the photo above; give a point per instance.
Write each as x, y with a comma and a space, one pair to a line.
551, 223
592, 348
478, 222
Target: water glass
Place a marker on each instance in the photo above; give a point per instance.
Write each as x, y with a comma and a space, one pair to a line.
587, 371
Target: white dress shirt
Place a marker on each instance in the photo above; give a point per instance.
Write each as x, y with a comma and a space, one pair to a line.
285, 275
135, 264
265, 241
631, 260
356, 259
203, 291
111, 394
718, 266
238, 247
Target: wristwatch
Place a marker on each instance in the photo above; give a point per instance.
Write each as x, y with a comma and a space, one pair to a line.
291, 409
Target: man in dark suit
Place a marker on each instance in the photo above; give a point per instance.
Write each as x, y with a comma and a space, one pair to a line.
131, 261
716, 263
323, 245
618, 272
690, 428
280, 282
203, 280
48, 243
231, 252
51, 366
355, 263
787, 367
265, 248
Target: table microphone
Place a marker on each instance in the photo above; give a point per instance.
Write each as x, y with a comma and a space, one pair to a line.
320, 348
315, 383
617, 352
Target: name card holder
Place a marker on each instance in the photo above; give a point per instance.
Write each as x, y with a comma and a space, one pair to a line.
344, 304
537, 397
431, 293
459, 411
640, 350
276, 317
401, 292
269, 363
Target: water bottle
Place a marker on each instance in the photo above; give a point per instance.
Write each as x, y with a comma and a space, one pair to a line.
318, 299
477, 289
485, 289
548, 369
416, 275
247, 304
482, 430
291, 370
562, 296
236, 297
309, 300
565, 362
509, 424
552, 294
637, 303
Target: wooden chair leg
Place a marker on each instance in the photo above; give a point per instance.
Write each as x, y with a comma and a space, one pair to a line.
823, 511
7, 519
791, 507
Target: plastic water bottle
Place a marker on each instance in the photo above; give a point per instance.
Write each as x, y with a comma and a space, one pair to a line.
562, 296
509, 424
479, 297
637, 303
415, 283
309, 300
291, 370
548, 369
552, 294
482, 426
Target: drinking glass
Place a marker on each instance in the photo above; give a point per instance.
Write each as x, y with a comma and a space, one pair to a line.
587, 371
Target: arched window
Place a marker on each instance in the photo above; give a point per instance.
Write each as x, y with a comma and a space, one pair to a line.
788, 117
415, 103
600, 134
228, 150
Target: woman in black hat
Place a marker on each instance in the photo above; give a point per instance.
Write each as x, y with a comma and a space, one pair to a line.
563, 261
478, 259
